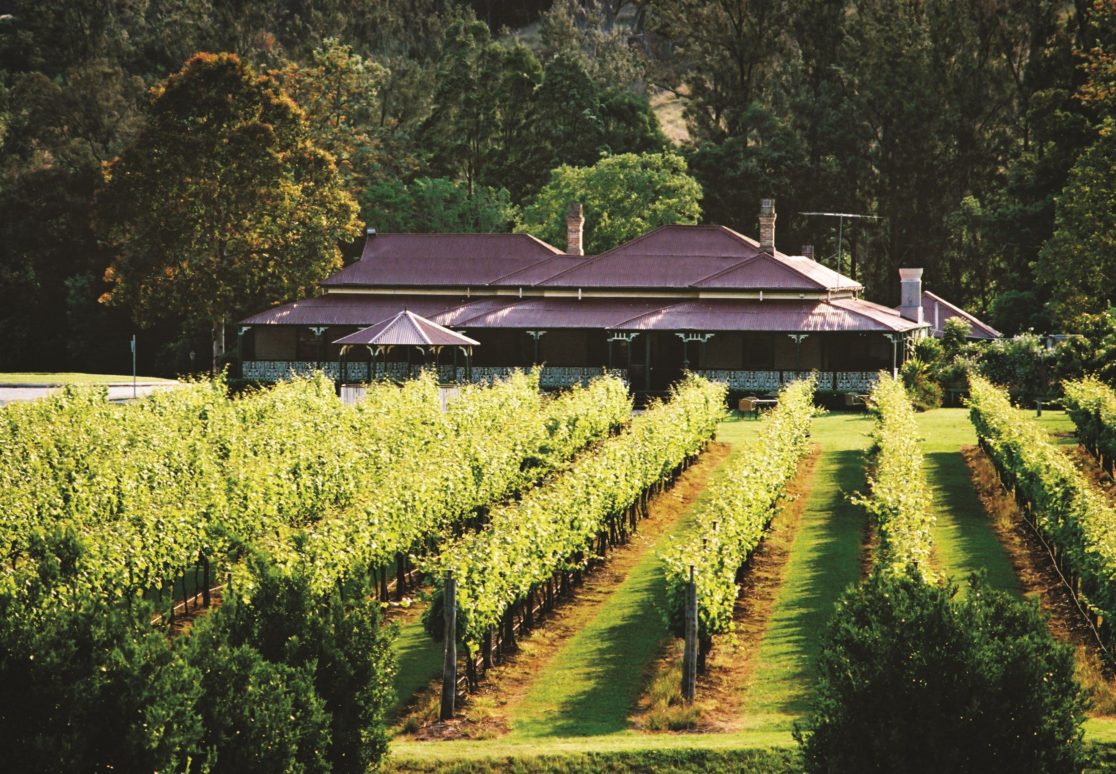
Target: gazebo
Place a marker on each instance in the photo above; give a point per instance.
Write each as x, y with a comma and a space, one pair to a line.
413, 333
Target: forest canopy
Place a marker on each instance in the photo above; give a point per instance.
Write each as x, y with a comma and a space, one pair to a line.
979, 133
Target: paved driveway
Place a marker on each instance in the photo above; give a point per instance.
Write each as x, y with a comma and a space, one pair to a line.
117, 391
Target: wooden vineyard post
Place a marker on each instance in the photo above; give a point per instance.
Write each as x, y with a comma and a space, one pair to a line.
689, 654
449, 665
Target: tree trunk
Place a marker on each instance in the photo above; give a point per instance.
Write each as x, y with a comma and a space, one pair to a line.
218, 344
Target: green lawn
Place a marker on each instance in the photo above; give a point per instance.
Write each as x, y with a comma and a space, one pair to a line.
1056, 423
592, 683
49, 378
449, 752
418, 661
964, 540
824, 560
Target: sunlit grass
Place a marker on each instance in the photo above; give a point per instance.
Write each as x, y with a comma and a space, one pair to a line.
53, 378
965, 540
824, 561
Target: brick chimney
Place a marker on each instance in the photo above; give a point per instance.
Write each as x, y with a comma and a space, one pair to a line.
575, 226
910, 294
808, 251
767, 226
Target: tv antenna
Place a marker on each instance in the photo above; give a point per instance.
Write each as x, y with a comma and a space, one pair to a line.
841, 228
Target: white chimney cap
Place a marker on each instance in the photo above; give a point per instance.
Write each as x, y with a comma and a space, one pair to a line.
906, 275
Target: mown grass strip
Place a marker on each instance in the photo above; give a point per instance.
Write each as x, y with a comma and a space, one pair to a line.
418, 660
824, 560
965, 541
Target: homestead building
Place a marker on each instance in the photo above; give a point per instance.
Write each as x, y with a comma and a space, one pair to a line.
700, 298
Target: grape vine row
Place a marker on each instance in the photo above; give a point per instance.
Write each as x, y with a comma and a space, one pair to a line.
898, 497
1091, 405
737, 512
558, 527
1076, 520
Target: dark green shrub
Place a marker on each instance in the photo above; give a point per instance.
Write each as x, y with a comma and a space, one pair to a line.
89, 686
914, 678
1023, 365
333, 638
260, 716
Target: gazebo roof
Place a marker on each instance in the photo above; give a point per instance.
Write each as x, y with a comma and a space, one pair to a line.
408, 329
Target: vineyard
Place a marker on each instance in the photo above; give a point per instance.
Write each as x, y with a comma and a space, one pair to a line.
898, 496
198, 582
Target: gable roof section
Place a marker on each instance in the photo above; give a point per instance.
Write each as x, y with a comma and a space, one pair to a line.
763, 271
408, 329
946, 310
674, 256
678, 256
425, 260
820, 273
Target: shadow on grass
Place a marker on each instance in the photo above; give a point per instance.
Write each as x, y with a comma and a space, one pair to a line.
615, 649
825, 560
418, 661
965, 539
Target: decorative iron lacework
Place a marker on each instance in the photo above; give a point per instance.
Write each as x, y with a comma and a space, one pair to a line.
552, 377
771, 381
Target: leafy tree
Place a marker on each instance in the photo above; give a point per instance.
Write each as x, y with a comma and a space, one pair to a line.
565, 121
572, 119
1016, 311
339, 92
589, 29
955, 333
437, 205
630, 124
222, 203
1091, 349
727, 54
624, 196
739, 171
915, 678
1099, 88
474, 111
1023, 363
1078, 264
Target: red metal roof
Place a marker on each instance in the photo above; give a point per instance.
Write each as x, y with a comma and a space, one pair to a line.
844, 315
762, 271
823, 275
408, 329
698, 256
936, 310
668, 257
551, 313
538, 272
350, 309
437, 260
